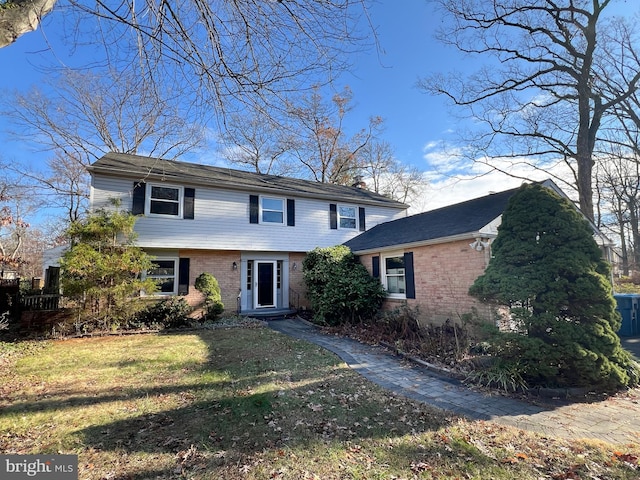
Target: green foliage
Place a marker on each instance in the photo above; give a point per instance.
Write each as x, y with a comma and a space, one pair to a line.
169, 313
339, 287
208, 286
505, 376
551, 273
101, 272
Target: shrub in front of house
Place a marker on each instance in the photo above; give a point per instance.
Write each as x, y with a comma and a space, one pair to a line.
172, 312
550, 272
209, 287
339, 287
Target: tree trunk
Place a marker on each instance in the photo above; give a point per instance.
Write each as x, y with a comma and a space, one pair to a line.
18, 17
632, 207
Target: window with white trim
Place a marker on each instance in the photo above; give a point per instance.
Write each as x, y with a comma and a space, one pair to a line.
347, 217
272, 210
165, 275
393, 275
164, 200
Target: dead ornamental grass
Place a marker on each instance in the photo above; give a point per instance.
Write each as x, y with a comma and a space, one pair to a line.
254, 404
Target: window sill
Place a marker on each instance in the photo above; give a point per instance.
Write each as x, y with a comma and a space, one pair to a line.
396, 297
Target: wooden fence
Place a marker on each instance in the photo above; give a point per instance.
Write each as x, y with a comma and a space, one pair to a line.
40, 302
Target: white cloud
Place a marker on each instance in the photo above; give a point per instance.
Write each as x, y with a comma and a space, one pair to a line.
454, 178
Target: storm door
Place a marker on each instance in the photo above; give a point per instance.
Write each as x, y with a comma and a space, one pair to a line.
265, 290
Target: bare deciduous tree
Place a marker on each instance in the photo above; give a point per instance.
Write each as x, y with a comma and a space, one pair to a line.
63, 185
543, 97
391, 177
255, 141
253, 51
619, 190
12, 227
319, 141
85, 115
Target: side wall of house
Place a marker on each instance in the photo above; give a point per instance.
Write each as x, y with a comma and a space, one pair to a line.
443, 274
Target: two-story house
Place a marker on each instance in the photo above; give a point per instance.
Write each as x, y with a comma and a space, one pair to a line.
251, 231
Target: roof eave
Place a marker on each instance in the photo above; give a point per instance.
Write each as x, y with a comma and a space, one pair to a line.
424, 243
168, 177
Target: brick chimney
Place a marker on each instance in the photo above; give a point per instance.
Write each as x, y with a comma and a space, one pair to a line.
359, 183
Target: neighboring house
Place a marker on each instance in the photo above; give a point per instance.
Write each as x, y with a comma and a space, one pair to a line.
430, 260
251, 231
51, 267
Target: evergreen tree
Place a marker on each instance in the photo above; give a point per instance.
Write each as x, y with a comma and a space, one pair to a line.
548, 269
101, 272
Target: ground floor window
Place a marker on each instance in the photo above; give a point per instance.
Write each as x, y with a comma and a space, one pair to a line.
165, 275
394, 276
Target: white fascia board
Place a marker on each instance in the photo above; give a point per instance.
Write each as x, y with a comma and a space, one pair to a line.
424, 243
491, 228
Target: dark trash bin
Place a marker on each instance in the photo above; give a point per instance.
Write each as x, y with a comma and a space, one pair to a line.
628, 304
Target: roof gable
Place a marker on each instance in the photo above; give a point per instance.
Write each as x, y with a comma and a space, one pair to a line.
142, 168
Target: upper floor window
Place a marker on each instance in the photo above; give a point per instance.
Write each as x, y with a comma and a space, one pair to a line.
347, 217
164, 200
272, 210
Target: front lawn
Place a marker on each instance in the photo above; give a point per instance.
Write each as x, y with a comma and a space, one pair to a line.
254, 404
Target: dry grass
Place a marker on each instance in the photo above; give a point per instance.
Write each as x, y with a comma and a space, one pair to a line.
254, 404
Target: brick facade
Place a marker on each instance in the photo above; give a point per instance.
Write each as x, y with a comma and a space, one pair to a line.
298, 293
443, 274
220, 265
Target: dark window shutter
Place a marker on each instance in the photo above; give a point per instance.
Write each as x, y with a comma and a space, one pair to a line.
375, 267
409, 277
333, 216
361, 219
291, 212
188, 209
254, 208
183, 276
139, 190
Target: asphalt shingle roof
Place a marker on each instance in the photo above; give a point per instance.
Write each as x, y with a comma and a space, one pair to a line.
140, 168
458, 219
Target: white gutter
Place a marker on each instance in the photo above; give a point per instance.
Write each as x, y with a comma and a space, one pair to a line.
424, 243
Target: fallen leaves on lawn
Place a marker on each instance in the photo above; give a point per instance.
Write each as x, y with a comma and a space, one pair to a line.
626, 458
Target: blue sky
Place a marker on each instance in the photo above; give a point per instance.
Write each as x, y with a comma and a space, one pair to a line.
417, 124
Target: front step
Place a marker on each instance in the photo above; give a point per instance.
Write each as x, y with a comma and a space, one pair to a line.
269, 313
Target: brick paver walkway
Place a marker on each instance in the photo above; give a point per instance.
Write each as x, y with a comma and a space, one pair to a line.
615, 420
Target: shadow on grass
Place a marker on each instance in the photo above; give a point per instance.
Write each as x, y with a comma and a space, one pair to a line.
283, 393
